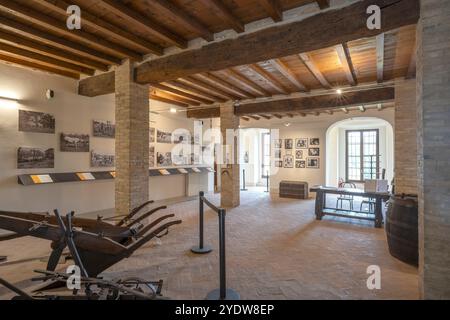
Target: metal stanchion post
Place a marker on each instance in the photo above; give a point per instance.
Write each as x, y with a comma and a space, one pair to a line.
267, 181
243, 180
201, 248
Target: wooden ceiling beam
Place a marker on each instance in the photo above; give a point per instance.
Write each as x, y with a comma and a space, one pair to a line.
225, 85
43, 59
188, 87
380, 58
203, 113
345, 110
278, 116
98, 85
268, 78
195, 81
247, 83
347, 64
145, 22
288, 74
323, 4
31, 65
245, 118
265, 116
182, 94
173, 97
316, 103
254, 117
184, 18
312, 67
54, 52
322, 30
225, 14
273, 8
89, 19
60, 27
48, 38
169, 101
362, 108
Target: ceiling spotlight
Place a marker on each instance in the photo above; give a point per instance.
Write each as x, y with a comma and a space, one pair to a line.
287, 124
173, 110
339, 91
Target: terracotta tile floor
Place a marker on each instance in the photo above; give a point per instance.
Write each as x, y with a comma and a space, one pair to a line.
275, 250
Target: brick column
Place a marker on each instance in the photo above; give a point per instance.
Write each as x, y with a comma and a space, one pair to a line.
433, 98
405, 171
132, 140
230, 189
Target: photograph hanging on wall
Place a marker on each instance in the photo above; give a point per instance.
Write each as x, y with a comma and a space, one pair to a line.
151, 159
182, 137
278, 164
288, 143
152, 135
74, 142
314, 142
99, 160
314, 152
164, 159
35, 158
301, 143
278, 143
163, 137
300, 164
104, 129
288, 161
299, 154
278, 154
39, 122
312, 163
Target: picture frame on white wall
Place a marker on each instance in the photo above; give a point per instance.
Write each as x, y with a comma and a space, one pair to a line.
288, 161
313, 163
278, 143
314, 141
301, 143
277, 154
298, 154
278, 164
288, 144
300, 164
314, 152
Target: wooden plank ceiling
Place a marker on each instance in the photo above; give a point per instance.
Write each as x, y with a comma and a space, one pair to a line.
33, 34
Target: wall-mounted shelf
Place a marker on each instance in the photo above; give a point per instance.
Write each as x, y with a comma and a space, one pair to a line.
83, 176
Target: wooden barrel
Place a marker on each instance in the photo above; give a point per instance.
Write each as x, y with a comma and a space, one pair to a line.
402, 228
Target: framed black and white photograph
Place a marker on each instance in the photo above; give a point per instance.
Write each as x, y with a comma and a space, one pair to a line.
163, 137
288, 161
288, 143
278, 143
35, 158
151, 156
151, 135
164, 159
38, 122
298, 154
314, 152
301, 143
103, 129
74, 142
278, 164
312, 163
178, 137
300, 164
277, 154
314, 142
99, 160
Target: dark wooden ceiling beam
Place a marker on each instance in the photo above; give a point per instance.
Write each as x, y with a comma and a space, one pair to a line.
60, 27
247, 83
182, 93
54, 52
31, 65
253, 117
200, 84
314, 69
43, 59
225, 85
245, 118
98, 85
169, 101
288, 74
347, 64
265, 116
323, 30
225, 14
273, 8
380, 57
173, 97
105, 27
194, 90
184, 18
268, 78
145, 22
323, 4
48, 38
203, 113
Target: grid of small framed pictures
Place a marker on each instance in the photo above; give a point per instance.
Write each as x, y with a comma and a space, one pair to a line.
299, 153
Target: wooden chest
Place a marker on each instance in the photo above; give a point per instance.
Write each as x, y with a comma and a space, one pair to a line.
294, 189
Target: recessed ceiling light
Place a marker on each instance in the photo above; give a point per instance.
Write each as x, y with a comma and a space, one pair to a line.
173, 110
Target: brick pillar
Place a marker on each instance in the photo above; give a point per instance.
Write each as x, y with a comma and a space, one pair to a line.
230, 188
433, 98
132, 140
405, 138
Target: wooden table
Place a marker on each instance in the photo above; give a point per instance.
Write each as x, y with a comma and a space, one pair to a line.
322, 210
